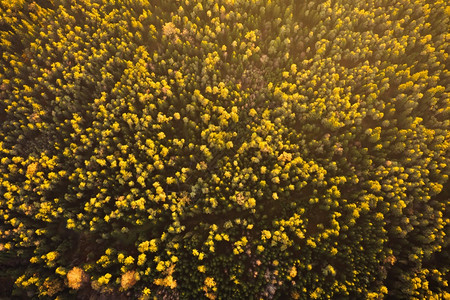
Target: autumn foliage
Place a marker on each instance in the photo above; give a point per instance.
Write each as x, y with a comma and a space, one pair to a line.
227, 149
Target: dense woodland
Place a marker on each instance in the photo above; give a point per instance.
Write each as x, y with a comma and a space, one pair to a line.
230, 149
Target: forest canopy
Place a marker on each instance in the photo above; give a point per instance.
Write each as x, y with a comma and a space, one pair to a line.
231, 149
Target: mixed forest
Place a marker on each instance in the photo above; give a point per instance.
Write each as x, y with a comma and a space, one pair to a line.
229, 149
